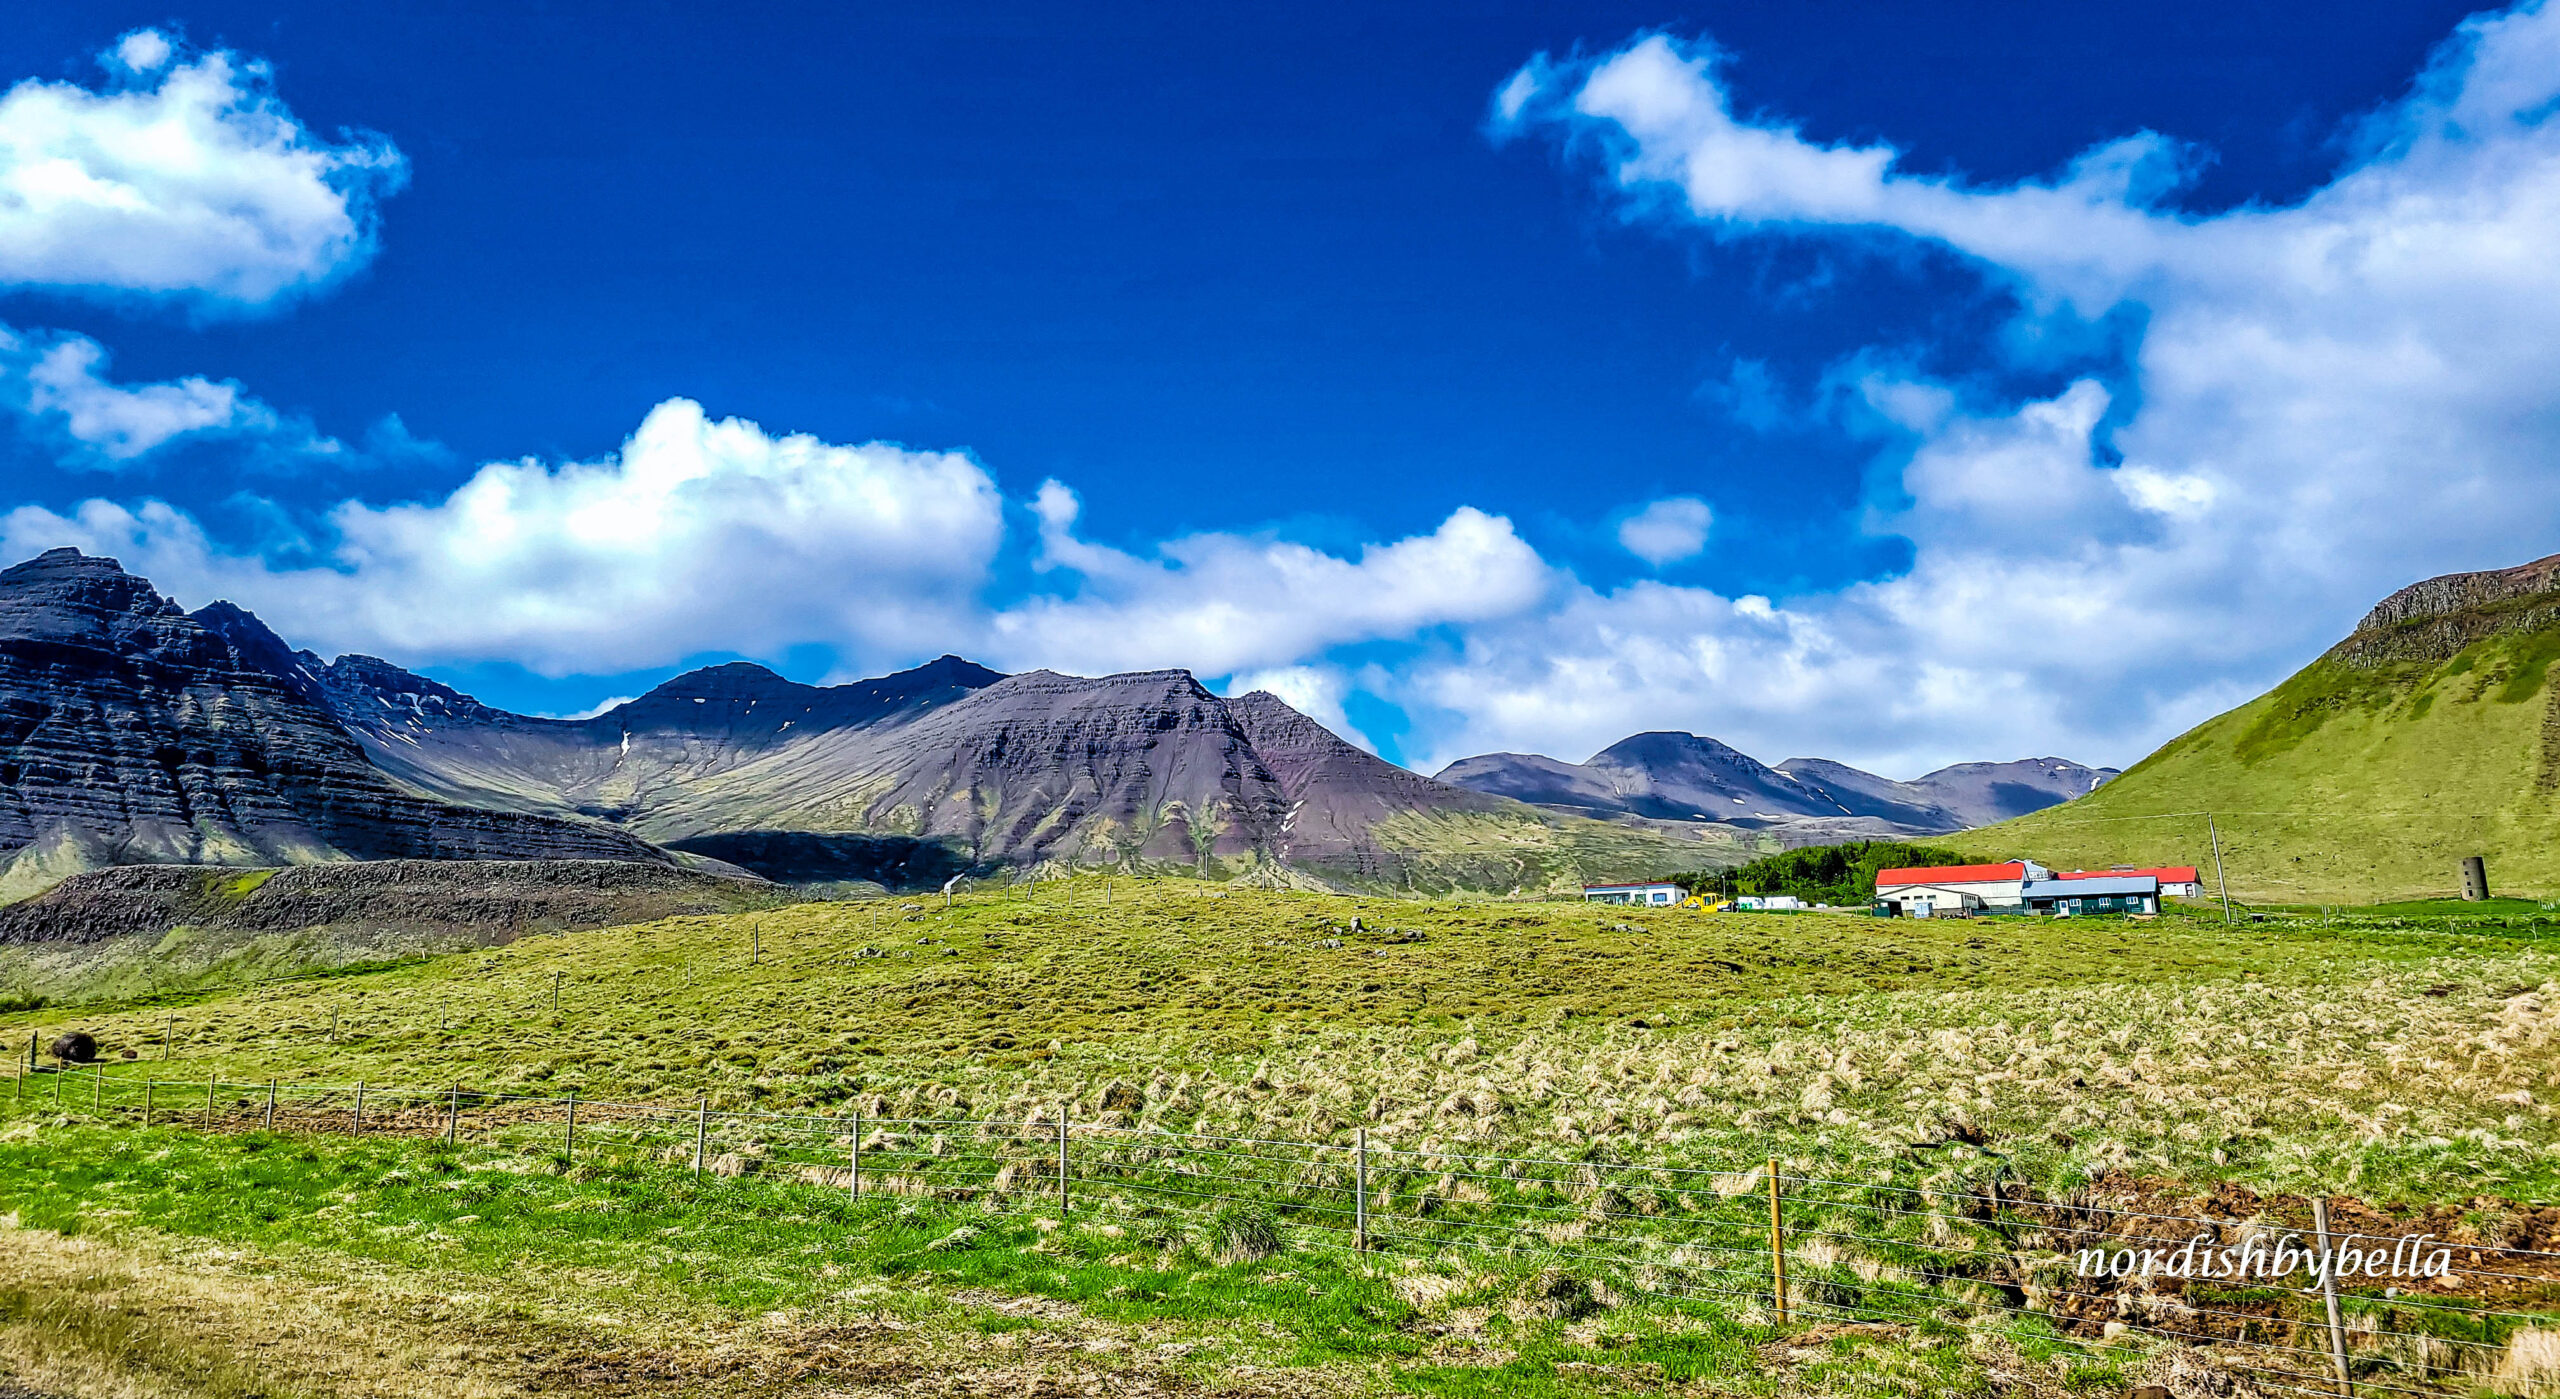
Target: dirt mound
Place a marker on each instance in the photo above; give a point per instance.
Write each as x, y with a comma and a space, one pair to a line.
483, 896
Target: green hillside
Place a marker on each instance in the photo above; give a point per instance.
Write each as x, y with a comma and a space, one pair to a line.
2431, 733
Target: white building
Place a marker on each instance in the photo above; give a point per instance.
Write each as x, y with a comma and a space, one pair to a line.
1648, 895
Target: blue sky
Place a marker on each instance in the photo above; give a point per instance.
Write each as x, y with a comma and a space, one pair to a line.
1463, 375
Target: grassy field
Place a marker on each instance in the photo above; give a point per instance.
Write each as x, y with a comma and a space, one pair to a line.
2375, 1055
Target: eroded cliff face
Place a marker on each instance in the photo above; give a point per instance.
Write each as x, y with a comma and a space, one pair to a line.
2430, 621
133, 733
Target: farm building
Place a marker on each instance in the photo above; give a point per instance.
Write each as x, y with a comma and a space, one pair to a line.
2089, 893
1650, 895
1924, 891
1927, 900
2176, 881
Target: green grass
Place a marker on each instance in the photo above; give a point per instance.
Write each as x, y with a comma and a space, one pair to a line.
2378, 1055
751, 1247
1212, 1004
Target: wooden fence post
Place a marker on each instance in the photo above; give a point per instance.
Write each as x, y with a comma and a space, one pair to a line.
1777, 1246
569, 1145
1360, 1189
701, 1131
211, 1082
146, 1102
453, 1116
853, 1184
1062, 1160
359, 1107
98, 1090
2329, 1292
270, 1124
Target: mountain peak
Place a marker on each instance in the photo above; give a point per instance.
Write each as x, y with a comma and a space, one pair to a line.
730, 680
74, 599
65, 560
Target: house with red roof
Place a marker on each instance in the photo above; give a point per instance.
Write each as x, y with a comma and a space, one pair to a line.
1935, 891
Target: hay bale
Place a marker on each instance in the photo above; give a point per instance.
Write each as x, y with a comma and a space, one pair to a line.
1123, 1096
75, 1047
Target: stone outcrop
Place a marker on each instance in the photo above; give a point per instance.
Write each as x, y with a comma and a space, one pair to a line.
2428, 622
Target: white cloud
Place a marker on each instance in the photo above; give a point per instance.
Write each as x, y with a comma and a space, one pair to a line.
600, 707
1667, 531
2327, 400
59, 385
1220, 603
143, 51
697, 536
1316, 691
187, 180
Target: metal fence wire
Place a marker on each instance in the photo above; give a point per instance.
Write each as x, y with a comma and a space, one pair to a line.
2281, 1294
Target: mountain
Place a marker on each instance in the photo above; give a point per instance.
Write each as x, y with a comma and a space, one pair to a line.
2430, 732
132, 732
952, 767
628, 763
1952, 798
1667, 776
1685, 777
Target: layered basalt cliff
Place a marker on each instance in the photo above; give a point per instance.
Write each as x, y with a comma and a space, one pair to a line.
134, 733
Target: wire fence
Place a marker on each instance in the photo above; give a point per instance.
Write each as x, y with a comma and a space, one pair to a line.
2278, 1293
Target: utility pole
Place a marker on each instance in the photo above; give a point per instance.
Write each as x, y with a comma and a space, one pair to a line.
2220, 883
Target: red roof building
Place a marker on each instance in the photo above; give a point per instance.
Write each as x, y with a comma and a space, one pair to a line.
1953, 874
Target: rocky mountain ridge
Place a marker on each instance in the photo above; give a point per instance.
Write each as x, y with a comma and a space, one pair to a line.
133, 732
1668, 776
